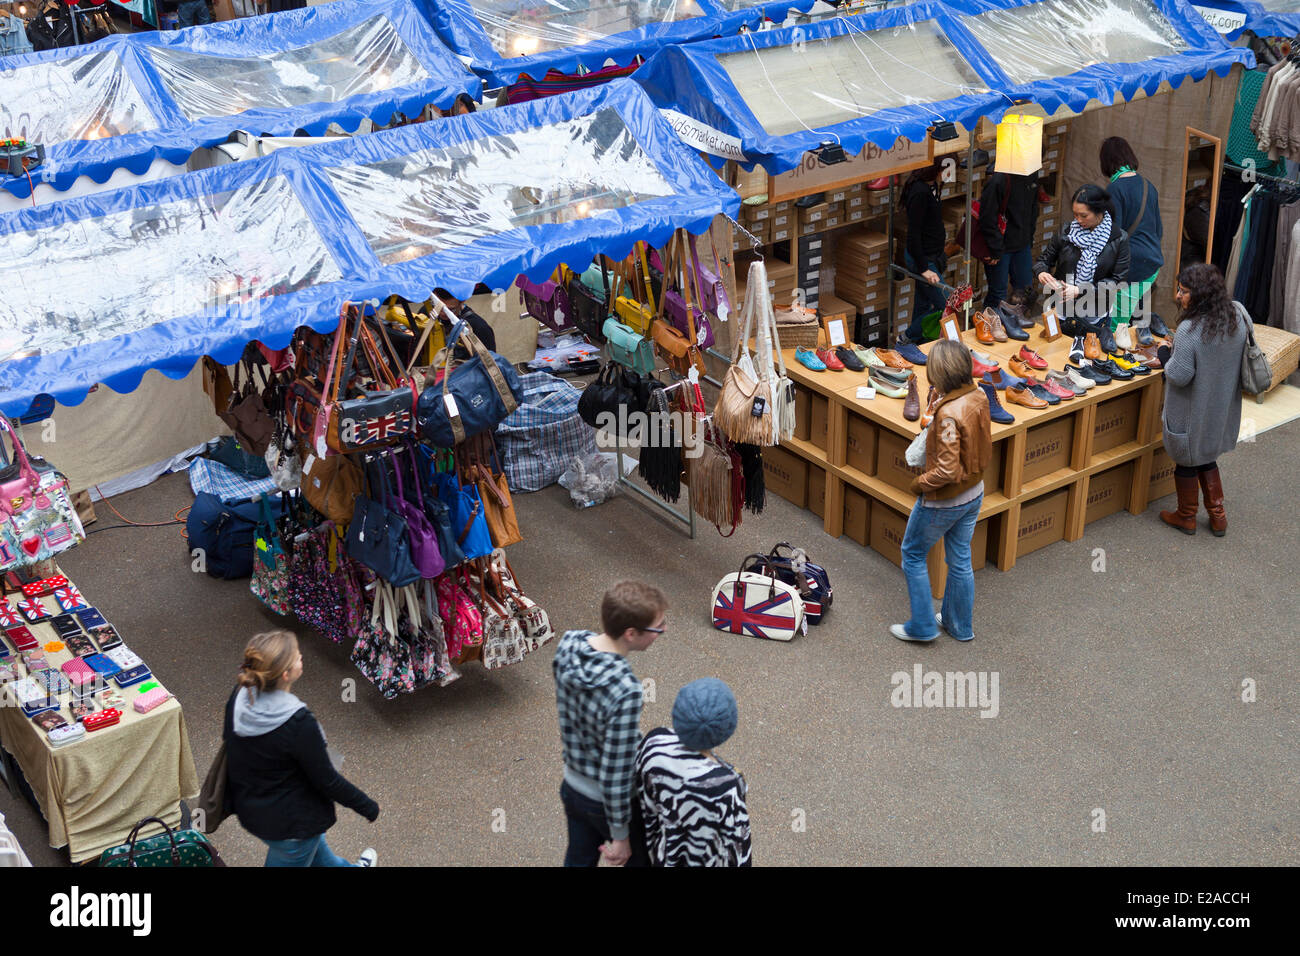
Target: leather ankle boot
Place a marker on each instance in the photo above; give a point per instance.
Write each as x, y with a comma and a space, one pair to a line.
1213, 491
1189, 501
1106, 337
1158, 326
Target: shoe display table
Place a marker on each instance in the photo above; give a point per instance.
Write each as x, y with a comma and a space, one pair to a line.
1053, 470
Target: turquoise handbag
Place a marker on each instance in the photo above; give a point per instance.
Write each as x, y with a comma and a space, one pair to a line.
629, 347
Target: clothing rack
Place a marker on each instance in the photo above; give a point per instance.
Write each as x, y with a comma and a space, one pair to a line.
1295, 184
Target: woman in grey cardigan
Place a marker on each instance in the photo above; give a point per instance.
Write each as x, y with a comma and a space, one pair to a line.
1202, 393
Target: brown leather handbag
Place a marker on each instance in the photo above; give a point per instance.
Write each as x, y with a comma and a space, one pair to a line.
247, 414
676, 348
217, 385
331, 485
478, 463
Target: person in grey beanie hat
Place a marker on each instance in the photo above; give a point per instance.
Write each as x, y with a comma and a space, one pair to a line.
693, 803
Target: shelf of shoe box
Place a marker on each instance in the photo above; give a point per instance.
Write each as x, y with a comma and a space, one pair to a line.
1052, 471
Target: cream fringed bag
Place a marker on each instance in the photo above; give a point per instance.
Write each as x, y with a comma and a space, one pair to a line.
756, 405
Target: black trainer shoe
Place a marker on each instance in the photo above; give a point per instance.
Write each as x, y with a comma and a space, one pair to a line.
1076, 351
1089, 370
1107, 367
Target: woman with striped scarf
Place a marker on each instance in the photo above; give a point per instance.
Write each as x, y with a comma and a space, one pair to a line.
1084, 266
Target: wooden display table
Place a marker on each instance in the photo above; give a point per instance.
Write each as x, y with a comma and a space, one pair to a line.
1053, 470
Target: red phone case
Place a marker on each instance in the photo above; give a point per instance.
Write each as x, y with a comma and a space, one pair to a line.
102, 719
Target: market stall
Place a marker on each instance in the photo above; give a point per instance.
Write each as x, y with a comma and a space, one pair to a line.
134, 100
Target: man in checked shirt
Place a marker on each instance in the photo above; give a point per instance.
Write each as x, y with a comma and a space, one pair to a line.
599, 703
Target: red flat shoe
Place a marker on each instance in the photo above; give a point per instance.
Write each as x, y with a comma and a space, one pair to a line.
1032, 358
1057, 390
980, 369
830, 360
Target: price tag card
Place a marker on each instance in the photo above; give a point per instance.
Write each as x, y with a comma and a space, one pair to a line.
1051, 326
835, 330
951, 331
866, 392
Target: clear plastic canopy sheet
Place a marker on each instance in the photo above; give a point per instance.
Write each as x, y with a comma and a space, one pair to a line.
130, 99
772, 96
1067, 52
504, 39
203, 263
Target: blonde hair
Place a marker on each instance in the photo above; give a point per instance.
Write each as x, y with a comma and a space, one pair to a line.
949, 366
266, 659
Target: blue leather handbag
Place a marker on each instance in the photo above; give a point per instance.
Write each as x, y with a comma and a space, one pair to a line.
468, 522
474, 397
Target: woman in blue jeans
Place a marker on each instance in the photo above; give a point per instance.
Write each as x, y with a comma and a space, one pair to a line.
280, 780
958, 448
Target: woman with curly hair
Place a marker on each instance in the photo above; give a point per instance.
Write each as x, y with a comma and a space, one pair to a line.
1202, 393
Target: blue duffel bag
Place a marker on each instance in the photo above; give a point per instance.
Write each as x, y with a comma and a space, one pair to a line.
224, 534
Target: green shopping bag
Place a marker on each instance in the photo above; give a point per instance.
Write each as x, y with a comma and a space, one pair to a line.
184, 848
931, 325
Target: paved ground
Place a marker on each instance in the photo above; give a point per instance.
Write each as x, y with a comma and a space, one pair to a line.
1118, 692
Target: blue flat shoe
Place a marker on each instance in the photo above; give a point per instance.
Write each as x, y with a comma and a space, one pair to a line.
910, 352
809, 360
996, 412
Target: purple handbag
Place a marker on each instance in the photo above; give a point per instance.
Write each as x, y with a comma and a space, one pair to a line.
548, 303
675, 313
711, 288
425, 555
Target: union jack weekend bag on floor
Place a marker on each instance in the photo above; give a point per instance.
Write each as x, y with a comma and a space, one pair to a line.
810, 580
758, 603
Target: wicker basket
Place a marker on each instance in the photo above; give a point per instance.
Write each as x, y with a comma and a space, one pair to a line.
1280, 347
795, 335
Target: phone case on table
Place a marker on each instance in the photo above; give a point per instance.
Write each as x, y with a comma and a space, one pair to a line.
22, 637
54, 680
6, 652
33, 696
70, 598
35, 660
8, 673
102, 719
85, 680
154, 698
66, 625
102, 663
123, 657
49, 720
81, 645
133, 676
43, 585
112, 699
9, 616
66, 734
91, 618
106, 636
34, 610
81, 709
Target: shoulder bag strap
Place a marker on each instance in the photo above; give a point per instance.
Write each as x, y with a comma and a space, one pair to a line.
345, 376
1141, 209
691, 273
336, 352
749, 307
645, 274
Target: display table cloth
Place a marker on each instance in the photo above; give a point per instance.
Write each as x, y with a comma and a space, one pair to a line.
94, 790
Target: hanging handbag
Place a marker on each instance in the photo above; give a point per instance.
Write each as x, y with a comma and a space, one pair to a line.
37, 517
748, 409
979, 247
467, 520
424, 539
331, 486
379, 654
378, 538
178, 848
379, 417
503, 639
325, 589
282, 463
435, 509
547, 302
270, 581
247, 414
756, 602
1256, 374
712, 482
678, 348
480, 466
811, 580
611, 393
474, 397
462, 622
217, 384
713, 291
626, 346
633, 312
590, 303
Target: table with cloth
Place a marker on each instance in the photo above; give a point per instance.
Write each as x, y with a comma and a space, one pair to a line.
94, 790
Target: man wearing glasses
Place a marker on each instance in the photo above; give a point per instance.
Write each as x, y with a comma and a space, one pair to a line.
599, 703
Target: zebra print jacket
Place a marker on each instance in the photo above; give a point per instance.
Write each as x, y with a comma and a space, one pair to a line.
694, 807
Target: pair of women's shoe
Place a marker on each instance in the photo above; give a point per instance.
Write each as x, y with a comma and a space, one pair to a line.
835, 360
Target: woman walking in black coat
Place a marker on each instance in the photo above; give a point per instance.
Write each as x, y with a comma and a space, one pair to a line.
280, 781
1085, 264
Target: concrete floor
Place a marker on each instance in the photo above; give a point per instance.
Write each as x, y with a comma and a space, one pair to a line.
1119, 692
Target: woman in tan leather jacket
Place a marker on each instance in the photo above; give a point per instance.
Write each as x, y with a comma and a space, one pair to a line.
951, 488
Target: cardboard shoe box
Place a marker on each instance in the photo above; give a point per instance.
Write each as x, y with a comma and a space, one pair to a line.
1047, 447
802, 413
1042, 522
786, 474
887, 529
817, 490
1108, 492
857, 516
819, 412
861, 445
891, 461
1117, 422
1162, 475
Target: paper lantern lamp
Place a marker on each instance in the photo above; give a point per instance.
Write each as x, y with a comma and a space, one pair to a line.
1020, 145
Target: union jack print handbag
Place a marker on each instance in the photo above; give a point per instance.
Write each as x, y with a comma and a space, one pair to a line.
382, 416
756, 602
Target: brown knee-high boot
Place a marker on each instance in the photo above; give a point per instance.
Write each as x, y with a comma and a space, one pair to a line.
1213, 490
1184, 519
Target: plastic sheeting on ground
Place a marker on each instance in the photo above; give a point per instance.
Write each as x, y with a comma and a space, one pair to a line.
771, 97
131, 98
203, 263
